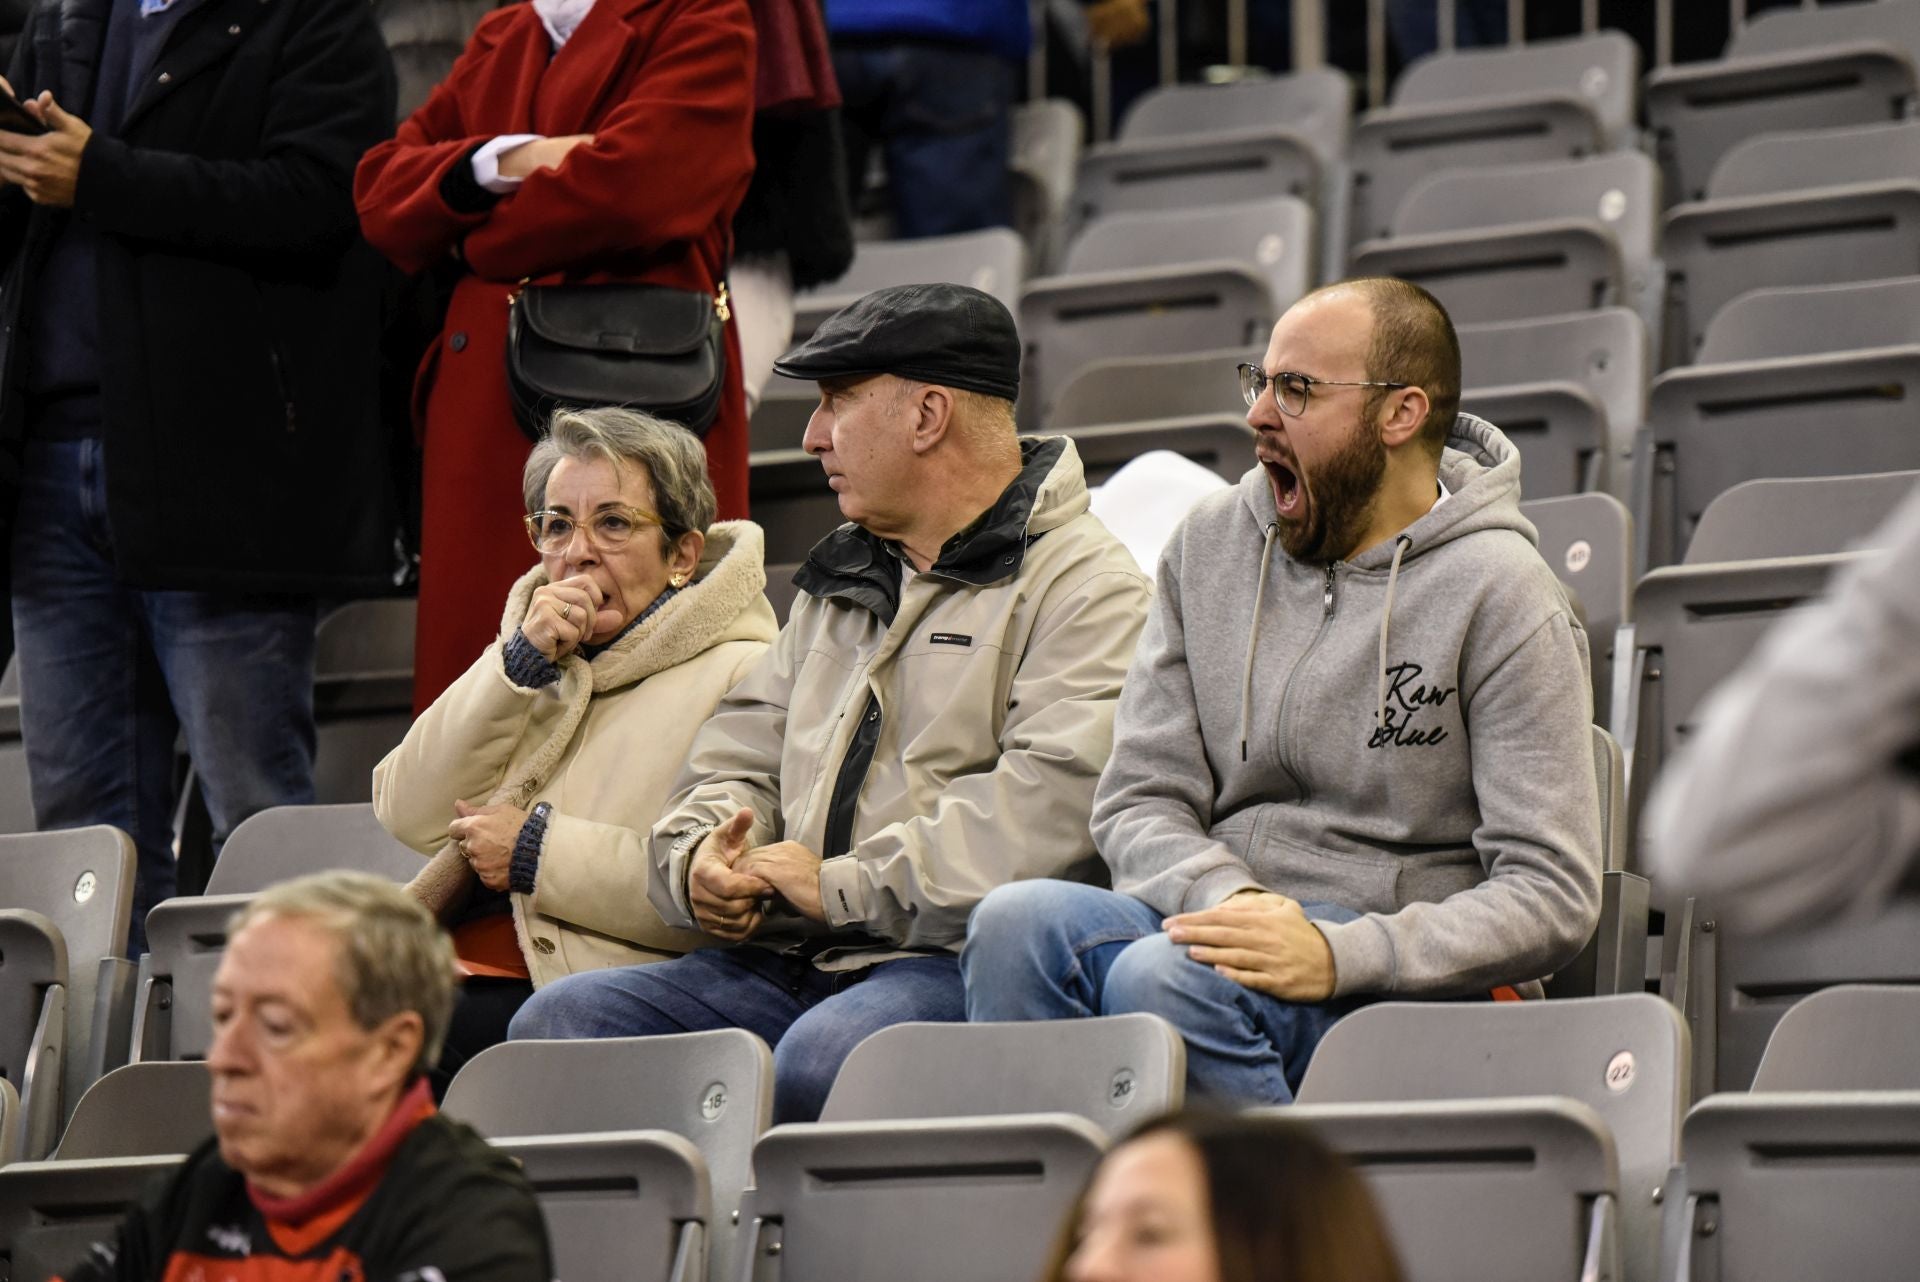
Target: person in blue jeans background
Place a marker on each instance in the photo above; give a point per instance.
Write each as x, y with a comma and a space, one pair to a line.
189, 399
1352, 758
932, 83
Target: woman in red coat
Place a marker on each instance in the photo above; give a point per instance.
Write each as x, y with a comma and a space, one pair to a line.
585, 141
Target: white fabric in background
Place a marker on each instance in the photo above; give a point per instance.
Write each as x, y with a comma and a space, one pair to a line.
761, 287
1146, 499
561, 18
486, 163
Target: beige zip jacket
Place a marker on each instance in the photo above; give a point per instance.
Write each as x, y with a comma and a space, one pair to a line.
930, 740
602, 745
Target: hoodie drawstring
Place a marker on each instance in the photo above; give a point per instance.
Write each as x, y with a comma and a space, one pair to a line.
1253, 636
1400, 545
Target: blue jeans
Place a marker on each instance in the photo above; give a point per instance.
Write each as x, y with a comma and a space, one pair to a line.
812, 1018
1062, 950
942, 115
111, 675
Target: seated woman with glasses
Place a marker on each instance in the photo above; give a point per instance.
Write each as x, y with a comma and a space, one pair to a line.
533, 779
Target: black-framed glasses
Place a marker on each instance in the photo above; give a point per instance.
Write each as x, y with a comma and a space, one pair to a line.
1291, 390
608, 529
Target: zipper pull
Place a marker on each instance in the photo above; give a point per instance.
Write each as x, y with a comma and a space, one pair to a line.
1329, 596
722, 304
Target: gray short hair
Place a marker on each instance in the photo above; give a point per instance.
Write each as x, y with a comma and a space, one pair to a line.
675, 461
393, 955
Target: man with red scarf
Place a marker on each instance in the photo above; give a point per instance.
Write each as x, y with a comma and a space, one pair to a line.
329, 1162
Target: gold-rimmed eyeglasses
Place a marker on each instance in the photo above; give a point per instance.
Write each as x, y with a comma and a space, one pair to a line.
1291, 390
607, 529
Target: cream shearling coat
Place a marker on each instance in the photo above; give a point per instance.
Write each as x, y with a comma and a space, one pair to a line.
602, 745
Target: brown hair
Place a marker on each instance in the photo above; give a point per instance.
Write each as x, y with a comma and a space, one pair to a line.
1285, 1207
1413, 342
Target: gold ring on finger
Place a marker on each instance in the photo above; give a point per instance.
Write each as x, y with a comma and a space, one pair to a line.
566, 614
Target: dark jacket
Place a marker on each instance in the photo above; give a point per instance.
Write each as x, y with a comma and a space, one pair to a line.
239, 310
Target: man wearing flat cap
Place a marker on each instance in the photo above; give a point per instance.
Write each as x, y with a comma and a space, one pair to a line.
930, 723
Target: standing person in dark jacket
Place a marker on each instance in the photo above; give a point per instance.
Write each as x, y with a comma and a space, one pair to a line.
329, 1162
188, 396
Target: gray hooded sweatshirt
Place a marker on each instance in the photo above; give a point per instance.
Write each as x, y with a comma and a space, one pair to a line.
1250, 749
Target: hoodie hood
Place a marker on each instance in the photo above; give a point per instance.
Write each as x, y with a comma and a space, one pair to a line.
1480, 468
1405, 727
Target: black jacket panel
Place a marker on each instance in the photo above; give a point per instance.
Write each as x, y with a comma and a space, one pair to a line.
240, 312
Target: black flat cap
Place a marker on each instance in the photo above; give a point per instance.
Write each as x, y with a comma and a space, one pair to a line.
946, 334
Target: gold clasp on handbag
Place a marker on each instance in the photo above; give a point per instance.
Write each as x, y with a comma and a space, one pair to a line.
722, 304
514, 296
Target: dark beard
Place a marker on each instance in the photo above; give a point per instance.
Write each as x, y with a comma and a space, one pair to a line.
1340, 498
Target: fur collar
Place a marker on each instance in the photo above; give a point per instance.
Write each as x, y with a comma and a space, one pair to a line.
725, 602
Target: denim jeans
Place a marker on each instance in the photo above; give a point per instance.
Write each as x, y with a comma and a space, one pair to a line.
812, 1018
111, 675
942, 114
1062, 950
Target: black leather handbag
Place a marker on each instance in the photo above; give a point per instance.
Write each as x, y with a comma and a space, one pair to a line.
647, 347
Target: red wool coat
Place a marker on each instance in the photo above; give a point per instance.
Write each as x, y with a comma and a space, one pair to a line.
666, 89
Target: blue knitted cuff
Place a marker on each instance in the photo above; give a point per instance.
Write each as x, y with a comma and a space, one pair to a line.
526, 851
526, 666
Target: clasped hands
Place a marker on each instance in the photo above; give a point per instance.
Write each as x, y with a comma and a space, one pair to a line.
730, 884
1261, 941
45, 166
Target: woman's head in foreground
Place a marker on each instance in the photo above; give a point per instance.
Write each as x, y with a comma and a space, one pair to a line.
1196, 1197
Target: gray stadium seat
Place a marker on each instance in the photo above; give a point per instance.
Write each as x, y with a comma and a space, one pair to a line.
65, 984
1797, 516
1789, 68
963, 1199
1625, 1057
1511, 241
1120, 391
993, 261
16, 800
187, 935
1317, 105
1548, 100
1691, 626
1116, 1071
424, 41
1782, 1188
1047, 140
780, 422
362, 694
620, 1206
1511, 1188
1186, 146
1734, 989
1158, 283
1587, 539
1587, 370
1805, 320
788, 496
1222, 442
715, 1089
51, 1213
141, 1110
1851, 1037
1813, 208
1710, 427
